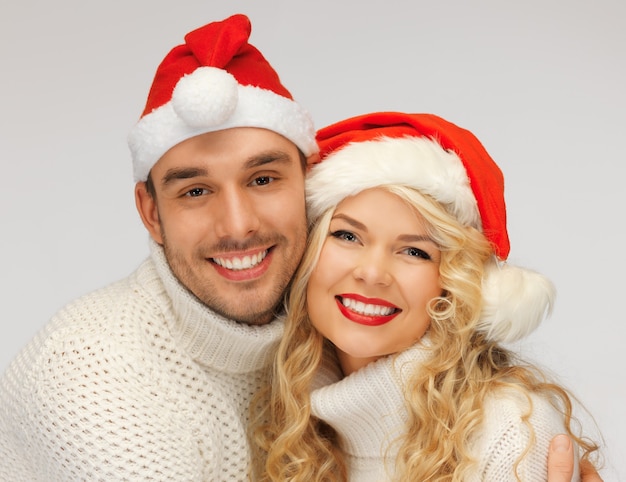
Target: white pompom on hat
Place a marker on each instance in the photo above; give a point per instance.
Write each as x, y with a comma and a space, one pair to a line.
216, 80
449, 164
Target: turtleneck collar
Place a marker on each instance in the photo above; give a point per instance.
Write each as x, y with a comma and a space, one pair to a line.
208, 338
367, 408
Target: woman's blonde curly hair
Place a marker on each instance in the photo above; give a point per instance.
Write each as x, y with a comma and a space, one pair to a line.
444, 397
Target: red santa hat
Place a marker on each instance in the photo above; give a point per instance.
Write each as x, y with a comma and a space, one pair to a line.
449, 164
216, 80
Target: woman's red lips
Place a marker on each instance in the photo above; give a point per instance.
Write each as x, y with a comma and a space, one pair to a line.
366, 311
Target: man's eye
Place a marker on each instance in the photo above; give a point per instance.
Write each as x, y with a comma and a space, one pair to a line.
345, 235
195, 192
262, 180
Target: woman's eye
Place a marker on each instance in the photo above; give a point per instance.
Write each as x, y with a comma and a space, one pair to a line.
345, 235
417, 253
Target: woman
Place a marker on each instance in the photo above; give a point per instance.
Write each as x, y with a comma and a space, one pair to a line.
405, 282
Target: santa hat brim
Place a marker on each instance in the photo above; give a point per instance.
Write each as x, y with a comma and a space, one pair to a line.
417, 162
167, 126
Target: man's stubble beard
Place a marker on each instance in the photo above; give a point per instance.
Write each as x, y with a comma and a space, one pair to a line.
254, 308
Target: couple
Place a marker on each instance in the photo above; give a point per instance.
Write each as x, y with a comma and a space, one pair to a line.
152, 377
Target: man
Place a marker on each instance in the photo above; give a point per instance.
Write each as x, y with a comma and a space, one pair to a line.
150, 378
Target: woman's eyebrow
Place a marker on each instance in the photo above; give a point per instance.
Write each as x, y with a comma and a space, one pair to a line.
351, 221
416, 238
406, 238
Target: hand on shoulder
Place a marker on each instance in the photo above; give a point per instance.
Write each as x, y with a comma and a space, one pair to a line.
561, 462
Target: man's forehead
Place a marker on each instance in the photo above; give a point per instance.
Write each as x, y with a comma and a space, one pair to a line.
236, 149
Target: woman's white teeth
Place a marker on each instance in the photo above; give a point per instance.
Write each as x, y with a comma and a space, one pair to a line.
237, 264
367, 309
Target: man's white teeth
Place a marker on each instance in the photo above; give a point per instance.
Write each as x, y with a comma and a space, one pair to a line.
237, 264
366, 309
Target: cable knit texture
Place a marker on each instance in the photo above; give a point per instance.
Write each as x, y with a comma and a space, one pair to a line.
136, 381
367, 409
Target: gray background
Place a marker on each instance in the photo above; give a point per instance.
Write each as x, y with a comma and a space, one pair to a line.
541, 83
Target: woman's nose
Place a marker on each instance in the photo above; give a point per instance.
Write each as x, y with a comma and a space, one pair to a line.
373, 267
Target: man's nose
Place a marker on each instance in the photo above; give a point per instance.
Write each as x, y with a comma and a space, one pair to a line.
236, 214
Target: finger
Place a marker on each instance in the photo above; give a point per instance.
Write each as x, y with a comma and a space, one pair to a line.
561, 459
588, 472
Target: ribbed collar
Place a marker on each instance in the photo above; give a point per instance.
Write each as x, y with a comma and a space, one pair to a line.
208, 338
367, 407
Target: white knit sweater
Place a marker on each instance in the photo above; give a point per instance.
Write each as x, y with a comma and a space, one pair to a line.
367, 410
137, 381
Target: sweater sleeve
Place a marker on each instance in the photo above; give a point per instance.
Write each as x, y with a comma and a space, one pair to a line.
76, 404
501, 446
16, 437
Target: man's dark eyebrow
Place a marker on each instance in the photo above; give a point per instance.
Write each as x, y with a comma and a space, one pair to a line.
255, 161
267, 157
182, 173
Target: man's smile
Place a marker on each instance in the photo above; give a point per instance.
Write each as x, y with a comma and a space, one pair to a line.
237, 263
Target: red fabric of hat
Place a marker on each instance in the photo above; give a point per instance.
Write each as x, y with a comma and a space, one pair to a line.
216, 80
223, 45
485, 177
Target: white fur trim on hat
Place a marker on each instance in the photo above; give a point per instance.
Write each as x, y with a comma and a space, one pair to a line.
196, 109
516, 300
417, 162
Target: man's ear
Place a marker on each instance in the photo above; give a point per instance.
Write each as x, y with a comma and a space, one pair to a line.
312, 160
148, 211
